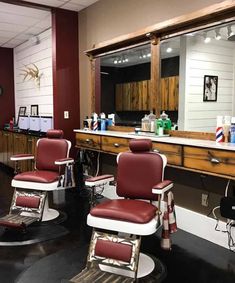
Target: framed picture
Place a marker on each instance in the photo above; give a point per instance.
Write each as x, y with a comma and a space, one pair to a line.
22, 111
210, 88
34, 110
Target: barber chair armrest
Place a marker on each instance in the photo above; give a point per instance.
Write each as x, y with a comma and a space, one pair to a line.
99, 180
19, 157
64, 161
162, 187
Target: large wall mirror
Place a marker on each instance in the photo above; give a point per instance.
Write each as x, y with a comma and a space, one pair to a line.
206, 75
187, 68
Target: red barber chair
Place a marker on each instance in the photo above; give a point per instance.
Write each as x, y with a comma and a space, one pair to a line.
30, 200
120, 223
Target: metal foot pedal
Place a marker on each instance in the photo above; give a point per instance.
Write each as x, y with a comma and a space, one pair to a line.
106, 251
97, 276
26, 208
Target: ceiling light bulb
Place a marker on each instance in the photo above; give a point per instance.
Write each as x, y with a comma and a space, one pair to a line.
169, 50
115, 61
207, 39
217, 35
144, 56
126, 59
149, 55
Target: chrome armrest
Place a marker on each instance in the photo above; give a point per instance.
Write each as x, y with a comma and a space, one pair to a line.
64, 161
162, 187
19, 157
99, 180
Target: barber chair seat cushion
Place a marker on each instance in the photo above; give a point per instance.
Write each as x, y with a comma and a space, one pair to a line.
134, 211
39, 176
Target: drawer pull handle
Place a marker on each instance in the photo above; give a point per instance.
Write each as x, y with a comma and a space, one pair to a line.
116, 144
213, 159
88, 141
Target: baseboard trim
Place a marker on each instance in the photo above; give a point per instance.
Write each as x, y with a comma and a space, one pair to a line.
202, 226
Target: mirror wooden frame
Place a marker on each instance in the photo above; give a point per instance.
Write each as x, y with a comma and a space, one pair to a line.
207, 17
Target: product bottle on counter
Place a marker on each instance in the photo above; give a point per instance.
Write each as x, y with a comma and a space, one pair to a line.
226, 127
159, 127
152, 118
166, 122
232, 130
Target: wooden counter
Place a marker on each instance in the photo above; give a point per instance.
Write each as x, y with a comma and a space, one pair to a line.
202, 156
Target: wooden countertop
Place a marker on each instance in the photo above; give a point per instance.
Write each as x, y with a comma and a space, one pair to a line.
164, 139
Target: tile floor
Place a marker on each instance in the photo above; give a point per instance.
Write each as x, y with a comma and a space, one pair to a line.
191, 259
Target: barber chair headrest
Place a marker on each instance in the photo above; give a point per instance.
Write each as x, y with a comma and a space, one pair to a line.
140, 145
55, 134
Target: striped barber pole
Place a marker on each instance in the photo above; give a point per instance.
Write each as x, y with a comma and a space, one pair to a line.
219, 134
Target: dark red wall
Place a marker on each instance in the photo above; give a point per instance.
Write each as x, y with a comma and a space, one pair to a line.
7, 109
65, 71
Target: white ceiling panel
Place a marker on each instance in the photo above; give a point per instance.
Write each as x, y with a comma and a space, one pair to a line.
73, 7
19, 23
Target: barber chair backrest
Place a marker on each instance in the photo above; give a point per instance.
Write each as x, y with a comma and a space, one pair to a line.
52, 148
139, 170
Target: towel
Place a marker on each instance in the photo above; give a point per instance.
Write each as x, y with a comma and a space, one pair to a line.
169, 225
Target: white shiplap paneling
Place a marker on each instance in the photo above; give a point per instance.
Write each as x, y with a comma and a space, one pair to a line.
216, 59
26, 92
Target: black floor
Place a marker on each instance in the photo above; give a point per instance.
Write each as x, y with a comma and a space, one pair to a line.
191, 259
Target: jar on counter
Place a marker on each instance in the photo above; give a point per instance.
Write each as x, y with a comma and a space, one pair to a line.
145, 124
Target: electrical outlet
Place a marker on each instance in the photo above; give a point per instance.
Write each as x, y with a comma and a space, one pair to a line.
66, 114
204, 200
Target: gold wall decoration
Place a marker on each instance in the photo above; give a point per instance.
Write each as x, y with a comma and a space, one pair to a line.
32, 73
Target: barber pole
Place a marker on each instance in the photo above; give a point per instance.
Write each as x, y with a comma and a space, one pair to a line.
95, 122
219, 135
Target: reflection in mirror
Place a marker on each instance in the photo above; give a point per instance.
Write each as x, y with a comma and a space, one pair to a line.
125, 84
204, 54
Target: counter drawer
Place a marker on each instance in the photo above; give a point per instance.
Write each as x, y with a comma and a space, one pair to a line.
114, 145
88, 141
171, 151
215, 161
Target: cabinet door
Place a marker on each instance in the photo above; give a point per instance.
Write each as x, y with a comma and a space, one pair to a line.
31, 149
10, 149
4, 147
20, 146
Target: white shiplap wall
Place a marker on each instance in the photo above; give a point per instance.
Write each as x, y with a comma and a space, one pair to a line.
217, 59
26, 92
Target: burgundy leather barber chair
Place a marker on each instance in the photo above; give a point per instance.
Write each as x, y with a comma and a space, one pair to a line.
120, 223
30, 199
